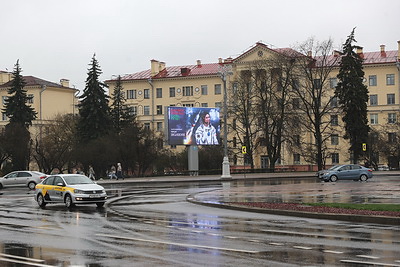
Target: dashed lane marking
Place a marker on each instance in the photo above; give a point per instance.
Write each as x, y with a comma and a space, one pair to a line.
301, 247
364, 263
367, 257
179, 244
276, 244
333, 251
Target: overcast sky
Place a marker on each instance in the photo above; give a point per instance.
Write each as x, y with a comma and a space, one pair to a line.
56, 39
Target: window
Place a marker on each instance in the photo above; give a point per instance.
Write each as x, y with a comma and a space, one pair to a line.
187, 90
373, 118
373, 100
390, 99
295, 85
30, 99
334, 139
159, 92
389, 79
204, 105
234, 142
146, 110
317, 84
204, 90
334, 120
159, 109
217, 89
4, 99
296, 140
296, 103
392, 137
372, 80
296, 158
218, 104
234, 124
4, 116
334, 102
147, 125
172, 92
146, 93
335, 158
131, 94
159, 126
188, 105
134, 110
392, 118
332, 83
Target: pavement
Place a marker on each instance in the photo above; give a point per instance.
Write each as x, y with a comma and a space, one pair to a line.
258, 191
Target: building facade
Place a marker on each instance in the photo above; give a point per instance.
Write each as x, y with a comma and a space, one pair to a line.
49, 99
201, 85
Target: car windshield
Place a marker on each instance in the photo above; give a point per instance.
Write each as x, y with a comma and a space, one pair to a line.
334, 167
77, 179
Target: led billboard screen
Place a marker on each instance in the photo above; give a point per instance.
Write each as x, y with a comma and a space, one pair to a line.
193, 126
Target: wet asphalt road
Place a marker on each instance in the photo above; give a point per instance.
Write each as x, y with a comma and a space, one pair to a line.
149, 225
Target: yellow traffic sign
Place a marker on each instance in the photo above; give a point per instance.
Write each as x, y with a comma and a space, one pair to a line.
244, 150
364, 147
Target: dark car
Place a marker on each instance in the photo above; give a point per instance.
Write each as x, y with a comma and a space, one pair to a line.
345, 172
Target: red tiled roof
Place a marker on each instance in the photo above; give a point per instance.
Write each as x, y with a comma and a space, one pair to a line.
370, 58
176, 71
33, 81
213, 68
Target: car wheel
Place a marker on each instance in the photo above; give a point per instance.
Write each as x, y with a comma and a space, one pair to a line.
40, 201
68, 201
31, 185
363, 177
333, 178
100, 205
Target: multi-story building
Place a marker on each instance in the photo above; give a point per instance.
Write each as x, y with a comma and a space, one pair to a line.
48, 99
200, 85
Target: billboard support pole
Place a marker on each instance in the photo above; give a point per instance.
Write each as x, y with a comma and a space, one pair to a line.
224, 71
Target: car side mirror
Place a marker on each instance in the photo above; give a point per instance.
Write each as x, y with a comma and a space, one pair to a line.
60, 184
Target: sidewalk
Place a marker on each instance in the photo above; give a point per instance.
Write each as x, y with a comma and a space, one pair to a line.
255, 193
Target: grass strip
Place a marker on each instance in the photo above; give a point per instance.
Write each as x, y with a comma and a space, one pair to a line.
371, 206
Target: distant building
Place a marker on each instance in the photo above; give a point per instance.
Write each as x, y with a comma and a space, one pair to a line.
200, 85
49, 99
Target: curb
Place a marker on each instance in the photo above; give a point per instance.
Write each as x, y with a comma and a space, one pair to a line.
303, 214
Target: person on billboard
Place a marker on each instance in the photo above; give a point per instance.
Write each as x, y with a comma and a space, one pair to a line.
206, 134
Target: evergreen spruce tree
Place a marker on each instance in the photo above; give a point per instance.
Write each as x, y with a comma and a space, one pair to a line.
121, 114
16, 107
94, 120
353, 97
20, 117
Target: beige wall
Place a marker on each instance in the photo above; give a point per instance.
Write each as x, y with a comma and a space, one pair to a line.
241, 63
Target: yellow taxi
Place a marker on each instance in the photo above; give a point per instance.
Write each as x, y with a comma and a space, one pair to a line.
70, 189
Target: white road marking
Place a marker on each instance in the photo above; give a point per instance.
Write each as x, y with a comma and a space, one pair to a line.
25, 263
333, 251
370, 263
276, 244
20, 258
179, 244
301, 247
367, 257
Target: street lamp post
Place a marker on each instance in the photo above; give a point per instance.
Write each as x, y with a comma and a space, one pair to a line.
224, 71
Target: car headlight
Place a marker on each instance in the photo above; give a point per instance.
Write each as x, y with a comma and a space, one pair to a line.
78, 191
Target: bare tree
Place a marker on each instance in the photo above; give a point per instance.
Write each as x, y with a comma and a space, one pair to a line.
244, 113
263, 94
314, 88
55, 149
